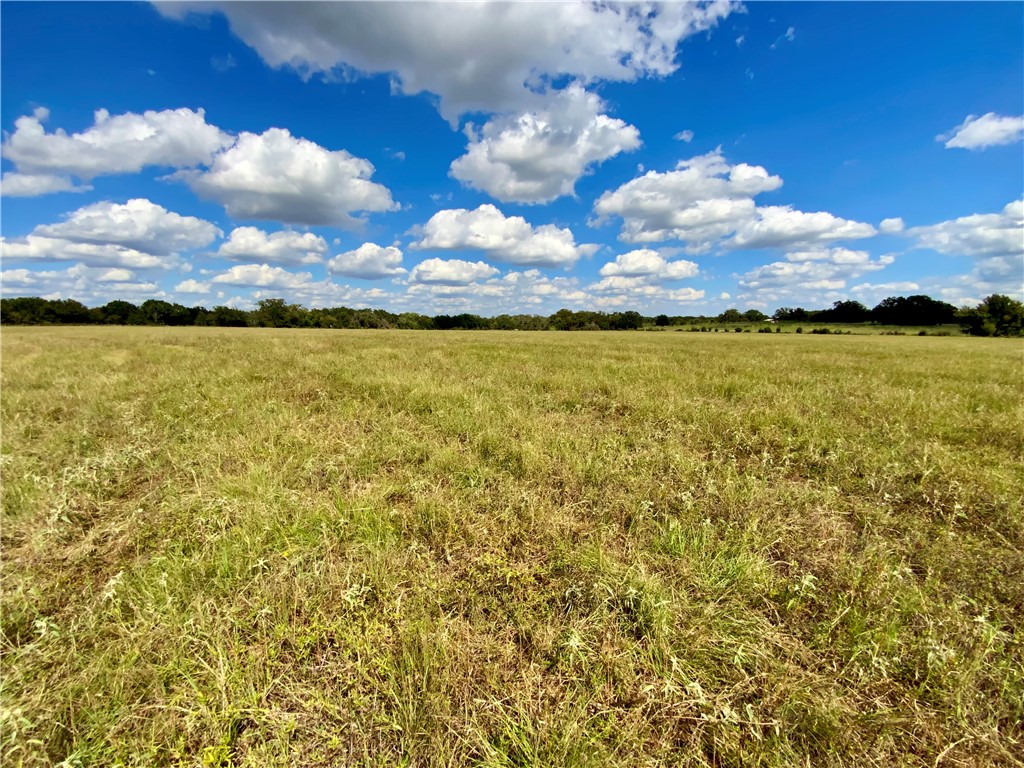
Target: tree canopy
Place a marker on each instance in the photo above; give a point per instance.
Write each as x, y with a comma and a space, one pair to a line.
997, 315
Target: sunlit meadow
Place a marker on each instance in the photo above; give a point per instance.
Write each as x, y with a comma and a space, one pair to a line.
246, 547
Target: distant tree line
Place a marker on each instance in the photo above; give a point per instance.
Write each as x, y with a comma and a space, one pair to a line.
896, 310
997, 315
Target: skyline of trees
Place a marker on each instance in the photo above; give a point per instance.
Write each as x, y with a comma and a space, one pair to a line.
996, 315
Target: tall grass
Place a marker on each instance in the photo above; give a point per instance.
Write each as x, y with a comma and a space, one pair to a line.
256, 547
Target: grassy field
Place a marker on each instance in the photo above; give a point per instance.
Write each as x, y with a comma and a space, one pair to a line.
270, 548
851, 329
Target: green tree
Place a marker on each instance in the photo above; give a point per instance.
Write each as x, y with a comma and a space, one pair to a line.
913, 310
25, 310
845, 312
120, 313
277, 313
785, 314
228, 317
156, 312
997, 315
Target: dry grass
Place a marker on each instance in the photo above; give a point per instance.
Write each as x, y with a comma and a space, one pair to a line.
255, 547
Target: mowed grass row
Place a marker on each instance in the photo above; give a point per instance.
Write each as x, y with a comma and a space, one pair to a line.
258, 547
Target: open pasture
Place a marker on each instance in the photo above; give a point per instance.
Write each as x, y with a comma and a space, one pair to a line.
275, 547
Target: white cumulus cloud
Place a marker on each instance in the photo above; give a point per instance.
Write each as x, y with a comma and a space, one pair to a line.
981, 234
285, 247
706, 200
176, 138
135, 234
35, 248
262, 276
192, 287
275, 176
91, 285
989, 130
701, 201
781, 226
451, 272
537, 156
32, 185
490, 57
138, 224
891, 226
369, 261
819, 269
648, 264
510, 240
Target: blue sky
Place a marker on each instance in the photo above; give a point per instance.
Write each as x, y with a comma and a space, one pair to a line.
517, 157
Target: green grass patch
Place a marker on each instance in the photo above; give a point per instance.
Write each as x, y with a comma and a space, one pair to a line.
271, 547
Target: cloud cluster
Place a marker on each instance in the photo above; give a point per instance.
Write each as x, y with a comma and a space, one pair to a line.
176, 138
135, 234
138, 223
252, 282
36, 248
93, 285
369, 261
275, 176
285, 247
537, 156
488, 57
262, 276
16, 184
510, 240
633, 293
818, 269
978, 235
701, 201
706, 201
269, 176
638, 277
649, 264
451, 272
779, 226
989, 130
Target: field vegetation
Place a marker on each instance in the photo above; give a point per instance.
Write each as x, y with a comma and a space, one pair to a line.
260, 547
996, 315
